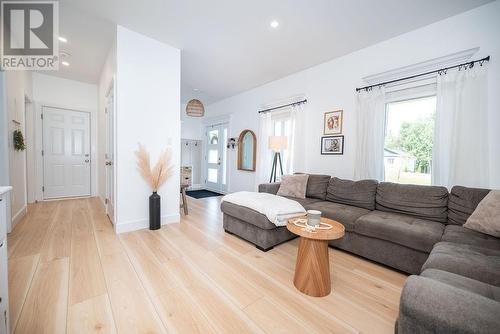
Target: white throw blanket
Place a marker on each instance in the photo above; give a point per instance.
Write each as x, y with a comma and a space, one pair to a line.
276, 208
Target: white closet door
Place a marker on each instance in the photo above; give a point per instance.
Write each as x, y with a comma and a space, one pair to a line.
66, 146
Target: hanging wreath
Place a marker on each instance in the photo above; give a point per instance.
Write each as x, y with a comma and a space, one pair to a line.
19, 141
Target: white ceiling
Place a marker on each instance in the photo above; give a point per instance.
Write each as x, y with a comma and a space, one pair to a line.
89, 40
227, 45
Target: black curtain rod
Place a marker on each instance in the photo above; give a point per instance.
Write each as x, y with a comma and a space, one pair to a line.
283, 106
469, 64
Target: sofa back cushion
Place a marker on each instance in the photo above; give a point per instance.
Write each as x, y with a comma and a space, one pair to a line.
424, 202
463, 201
316, 186
355, 193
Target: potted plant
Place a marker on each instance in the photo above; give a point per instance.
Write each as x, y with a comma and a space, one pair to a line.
155, 177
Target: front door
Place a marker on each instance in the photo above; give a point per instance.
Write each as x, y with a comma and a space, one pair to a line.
216, 137
66, 153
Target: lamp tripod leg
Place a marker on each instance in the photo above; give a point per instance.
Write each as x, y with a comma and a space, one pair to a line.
281, 165
273, 170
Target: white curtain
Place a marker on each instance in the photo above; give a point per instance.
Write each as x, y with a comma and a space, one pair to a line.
461, 154
297, 140
370, 120
264, 158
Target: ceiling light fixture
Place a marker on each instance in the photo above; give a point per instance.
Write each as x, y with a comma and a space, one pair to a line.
274, 24
65, 63
62, 39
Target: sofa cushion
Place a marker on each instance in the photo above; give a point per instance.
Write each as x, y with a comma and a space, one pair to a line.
305, 202
464, 283
425, 202
463, 201
412, 232
462, 235
316, 186
293, 185
344, 214
447, 305
248, 215
356, 193
482, 264
270, 188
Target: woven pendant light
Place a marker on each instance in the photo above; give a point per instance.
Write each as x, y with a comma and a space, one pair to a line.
195, 108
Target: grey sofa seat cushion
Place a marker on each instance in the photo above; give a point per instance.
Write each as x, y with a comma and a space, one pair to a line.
463, 201
404, 230
355, 193
462, 235
316, 185
425, 202
305, 202
482, 264
344, 214
464, 283
445, 305
248, 215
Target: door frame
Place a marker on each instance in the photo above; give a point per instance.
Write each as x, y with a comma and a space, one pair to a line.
91, 156
38, 146
224, 188
111, 90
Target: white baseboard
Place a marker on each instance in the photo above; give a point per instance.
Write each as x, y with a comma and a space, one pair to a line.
18, 217
144, 223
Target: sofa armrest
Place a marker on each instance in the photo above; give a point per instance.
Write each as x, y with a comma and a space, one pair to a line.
429, 306
270, 188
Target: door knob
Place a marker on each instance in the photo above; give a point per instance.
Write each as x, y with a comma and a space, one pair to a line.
87, 160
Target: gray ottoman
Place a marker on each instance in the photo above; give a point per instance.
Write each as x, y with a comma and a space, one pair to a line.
253, 226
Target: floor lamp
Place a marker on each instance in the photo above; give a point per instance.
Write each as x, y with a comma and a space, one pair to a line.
277, 143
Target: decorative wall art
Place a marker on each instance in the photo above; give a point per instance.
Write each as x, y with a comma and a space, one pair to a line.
333, 122
332, 145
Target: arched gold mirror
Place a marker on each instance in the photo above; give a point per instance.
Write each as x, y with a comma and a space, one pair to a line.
247, 150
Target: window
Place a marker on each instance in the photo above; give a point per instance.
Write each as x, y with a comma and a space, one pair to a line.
409, 136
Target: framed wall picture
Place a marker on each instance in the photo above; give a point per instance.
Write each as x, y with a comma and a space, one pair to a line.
332, 145
333, 122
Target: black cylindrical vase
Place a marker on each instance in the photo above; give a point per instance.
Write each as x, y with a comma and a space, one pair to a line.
154, 211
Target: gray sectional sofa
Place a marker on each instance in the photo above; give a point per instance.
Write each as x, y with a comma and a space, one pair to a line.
415, 229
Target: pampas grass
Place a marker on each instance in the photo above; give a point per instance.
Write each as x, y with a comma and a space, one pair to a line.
161, 171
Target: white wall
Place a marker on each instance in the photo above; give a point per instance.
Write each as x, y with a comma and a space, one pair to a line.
69, 94
17, 86
331, 86
4, 147
148, 104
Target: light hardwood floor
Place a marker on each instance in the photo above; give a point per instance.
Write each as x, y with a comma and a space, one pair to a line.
69, 272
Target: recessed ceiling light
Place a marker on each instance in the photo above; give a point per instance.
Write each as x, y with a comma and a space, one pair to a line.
62, 39
274, 24
195, 89
65, 63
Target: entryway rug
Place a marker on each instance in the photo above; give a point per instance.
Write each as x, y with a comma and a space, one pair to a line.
202, 193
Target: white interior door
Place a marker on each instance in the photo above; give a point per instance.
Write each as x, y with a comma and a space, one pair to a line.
66, 153
110, 183
216, 156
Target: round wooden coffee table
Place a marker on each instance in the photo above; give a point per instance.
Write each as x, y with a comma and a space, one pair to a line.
312, 269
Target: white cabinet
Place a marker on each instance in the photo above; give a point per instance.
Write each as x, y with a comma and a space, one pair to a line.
4, 278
